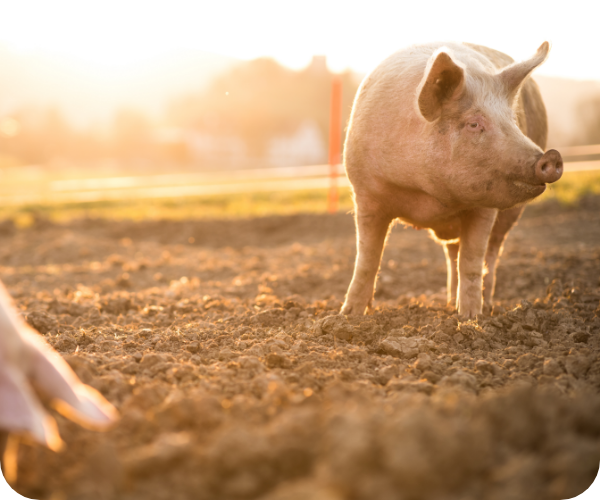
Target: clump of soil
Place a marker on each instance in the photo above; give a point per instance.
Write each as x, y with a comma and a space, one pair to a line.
237, 379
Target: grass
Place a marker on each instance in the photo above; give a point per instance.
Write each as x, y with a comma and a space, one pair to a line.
572, 187
568, 191
225, 206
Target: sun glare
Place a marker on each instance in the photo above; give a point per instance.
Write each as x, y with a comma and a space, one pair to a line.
89, 34
115, 34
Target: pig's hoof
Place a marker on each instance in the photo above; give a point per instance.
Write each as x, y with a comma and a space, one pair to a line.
346, 309
468, 314
468, 311
469, 307
352, 309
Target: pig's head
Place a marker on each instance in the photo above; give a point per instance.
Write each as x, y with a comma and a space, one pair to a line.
479, 154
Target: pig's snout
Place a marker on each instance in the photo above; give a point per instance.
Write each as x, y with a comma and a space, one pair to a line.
549, 167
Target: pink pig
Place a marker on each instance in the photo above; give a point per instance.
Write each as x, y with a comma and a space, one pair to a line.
28, 367
448, 137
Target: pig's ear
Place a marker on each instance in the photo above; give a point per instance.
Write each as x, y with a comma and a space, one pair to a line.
513, 76
443, 81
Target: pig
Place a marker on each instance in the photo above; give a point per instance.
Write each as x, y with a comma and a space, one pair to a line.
30, 369
448, 137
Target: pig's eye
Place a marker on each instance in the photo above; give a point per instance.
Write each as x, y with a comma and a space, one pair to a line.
473, 126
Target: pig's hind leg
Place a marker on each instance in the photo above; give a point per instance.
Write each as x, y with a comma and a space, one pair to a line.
504, 222
451, 252
371, 233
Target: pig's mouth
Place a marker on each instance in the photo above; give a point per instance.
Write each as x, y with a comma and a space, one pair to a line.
533, 189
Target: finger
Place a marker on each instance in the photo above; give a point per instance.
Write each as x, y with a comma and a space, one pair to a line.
54, 378
20, 411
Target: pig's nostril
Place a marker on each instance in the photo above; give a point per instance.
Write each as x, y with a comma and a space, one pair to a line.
550, 167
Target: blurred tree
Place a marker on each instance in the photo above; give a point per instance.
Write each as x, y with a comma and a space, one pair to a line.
260, 99
39, 135
236, 118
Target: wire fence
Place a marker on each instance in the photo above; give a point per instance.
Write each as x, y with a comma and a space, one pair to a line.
309, 177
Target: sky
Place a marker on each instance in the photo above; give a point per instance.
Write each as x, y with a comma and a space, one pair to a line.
116, 34
90, 58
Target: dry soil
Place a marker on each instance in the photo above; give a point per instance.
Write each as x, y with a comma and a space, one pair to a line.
220, 344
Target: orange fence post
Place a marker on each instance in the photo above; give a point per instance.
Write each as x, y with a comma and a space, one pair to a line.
335, 136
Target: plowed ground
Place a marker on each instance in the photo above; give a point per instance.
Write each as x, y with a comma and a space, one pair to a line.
219, 343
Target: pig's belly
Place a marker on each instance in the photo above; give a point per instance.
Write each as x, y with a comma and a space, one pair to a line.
422, 210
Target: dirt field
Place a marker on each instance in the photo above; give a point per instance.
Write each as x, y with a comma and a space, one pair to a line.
219, 343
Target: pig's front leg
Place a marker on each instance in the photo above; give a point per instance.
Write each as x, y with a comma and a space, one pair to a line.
476, 226
371, 232
451, 251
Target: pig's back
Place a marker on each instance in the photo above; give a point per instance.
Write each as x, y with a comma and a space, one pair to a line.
385, 108
390, 87
384, 113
